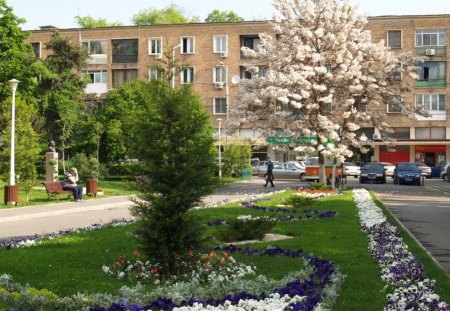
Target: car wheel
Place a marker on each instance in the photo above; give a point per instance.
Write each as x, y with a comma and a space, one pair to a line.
383, 181
302, 177
361, 181
444, 177
396, 181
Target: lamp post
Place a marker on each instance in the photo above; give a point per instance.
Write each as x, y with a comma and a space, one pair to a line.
173, 64
220, 149
11, 193
13, 84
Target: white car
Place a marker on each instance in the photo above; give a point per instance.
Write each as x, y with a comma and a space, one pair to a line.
389, 168
425, 170
351, 169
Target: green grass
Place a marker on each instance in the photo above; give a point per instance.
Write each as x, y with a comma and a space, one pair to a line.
38, 195
73, 264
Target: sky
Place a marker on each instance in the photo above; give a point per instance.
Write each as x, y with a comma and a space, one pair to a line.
61, 13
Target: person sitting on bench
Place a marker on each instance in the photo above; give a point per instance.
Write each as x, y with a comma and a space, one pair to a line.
70, 183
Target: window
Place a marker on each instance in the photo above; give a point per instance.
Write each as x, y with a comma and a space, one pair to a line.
96, 76
154, 73
431, 102
394, 38
220, 105
396, 74
36, 49
220, 44
401, 133
394, 104
187, 75
430, 132
251, 42
122, 76
430, 37
220, 74
245, 74
154, 46
432, 71
125, 51
95, 46
187, 45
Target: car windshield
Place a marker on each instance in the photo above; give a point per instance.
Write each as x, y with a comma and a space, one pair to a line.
372, 167
407, 167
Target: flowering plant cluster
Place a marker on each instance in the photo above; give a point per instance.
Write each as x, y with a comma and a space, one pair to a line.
414, 291
219, 266
134, 270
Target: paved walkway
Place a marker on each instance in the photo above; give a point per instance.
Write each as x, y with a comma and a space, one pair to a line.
65, 215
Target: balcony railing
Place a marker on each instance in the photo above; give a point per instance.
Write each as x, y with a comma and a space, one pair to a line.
431, 83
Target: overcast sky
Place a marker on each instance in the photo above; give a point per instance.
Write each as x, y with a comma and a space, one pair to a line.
61, 13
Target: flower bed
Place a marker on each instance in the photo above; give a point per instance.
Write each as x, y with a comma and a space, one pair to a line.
399, 267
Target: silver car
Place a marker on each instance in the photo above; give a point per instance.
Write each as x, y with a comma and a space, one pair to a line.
351, 169
425, 169
285, 171
389, 168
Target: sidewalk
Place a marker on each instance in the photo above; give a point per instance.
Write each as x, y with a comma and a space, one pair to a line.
41, 219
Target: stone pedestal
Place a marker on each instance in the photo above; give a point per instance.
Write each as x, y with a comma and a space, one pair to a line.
51, 172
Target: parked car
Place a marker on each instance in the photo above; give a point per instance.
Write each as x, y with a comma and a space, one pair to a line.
261, 166
372, 172
436, 170
285, 171
425, 169
407, 172
389, 168
351, 169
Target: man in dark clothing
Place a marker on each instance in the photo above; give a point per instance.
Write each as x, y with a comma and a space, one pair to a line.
269, 175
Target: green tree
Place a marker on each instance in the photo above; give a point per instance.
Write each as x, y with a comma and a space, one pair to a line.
235, 158
217, 16
118, 119
173, 14
91, 22
175, 142
28, 149
16, 57
60, 92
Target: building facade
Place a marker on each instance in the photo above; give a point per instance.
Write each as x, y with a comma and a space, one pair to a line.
215, 65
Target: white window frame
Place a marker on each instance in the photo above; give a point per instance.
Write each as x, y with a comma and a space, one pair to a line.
190, 76
189, 47
96, 40
220, 44
154, 73
440, 36
159, 48
96, 73
214, 106
389, 105
401, 39
428, 106
222, 76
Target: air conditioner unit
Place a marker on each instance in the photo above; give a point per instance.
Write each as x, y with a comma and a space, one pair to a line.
223, 54
218, 85
158, 56
376, 137
430, 51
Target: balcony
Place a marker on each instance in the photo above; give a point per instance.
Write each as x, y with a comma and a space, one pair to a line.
430, 83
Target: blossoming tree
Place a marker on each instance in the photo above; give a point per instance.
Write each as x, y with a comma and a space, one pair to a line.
322, 78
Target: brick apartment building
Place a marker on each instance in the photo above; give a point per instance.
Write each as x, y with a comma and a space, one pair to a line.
213, 52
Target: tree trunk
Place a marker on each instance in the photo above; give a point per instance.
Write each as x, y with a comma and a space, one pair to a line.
322, 170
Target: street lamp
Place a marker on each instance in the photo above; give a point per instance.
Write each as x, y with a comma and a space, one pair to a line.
13, 84
220, 149
173, 64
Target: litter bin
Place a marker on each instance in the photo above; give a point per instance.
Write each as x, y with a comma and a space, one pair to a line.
247, 173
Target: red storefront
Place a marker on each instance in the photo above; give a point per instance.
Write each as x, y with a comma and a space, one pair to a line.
431, 155
394, 154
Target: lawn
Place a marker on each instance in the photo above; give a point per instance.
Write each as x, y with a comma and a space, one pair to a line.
73, 264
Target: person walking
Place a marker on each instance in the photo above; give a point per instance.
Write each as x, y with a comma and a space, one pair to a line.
269, 174
70, 183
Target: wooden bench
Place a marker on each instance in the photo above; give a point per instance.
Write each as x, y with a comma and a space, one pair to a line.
55, 188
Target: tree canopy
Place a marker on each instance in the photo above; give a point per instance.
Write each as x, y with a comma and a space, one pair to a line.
91, 22
320, 75
217, 16
172, 14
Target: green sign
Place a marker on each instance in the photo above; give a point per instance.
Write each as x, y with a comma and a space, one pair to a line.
287, 140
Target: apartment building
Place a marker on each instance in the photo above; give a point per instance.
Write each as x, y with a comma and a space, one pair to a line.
213, 52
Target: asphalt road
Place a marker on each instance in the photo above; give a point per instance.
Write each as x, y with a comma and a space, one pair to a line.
423, 210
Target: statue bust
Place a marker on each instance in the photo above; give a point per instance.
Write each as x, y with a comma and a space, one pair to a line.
51, 146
